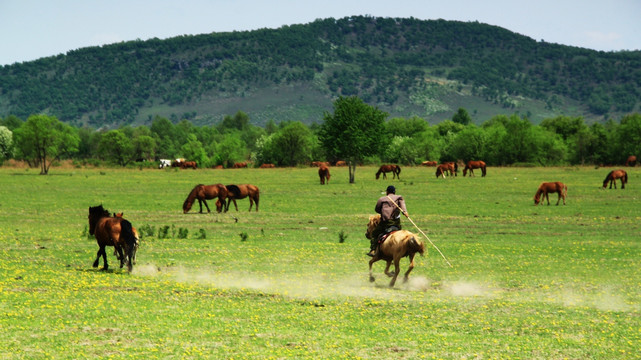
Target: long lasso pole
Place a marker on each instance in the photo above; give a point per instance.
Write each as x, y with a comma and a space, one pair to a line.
419, 229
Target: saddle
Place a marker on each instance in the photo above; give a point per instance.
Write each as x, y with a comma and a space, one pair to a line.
382, 237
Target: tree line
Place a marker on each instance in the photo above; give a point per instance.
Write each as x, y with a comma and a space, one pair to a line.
354, 131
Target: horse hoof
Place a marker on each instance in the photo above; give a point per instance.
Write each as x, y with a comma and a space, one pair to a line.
371, 279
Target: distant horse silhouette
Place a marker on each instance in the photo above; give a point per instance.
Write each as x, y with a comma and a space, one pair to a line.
631, 161
443, 169
396, 246
240, 192
202, 193
188, 164
613, 176
112, 231
429, 163
384, 169
471, 165
239, 165
341, 163
267, 166
323, 173
551, 187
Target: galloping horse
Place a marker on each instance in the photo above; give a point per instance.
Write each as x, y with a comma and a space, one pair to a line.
323, 173
551, 187
240, 192
112, 231
631, 161
397, 245
444, 168
613, 176
384, 169
471, 165
203, 193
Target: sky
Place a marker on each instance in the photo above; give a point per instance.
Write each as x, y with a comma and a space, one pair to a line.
31, 29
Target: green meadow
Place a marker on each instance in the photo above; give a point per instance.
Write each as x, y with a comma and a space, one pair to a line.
291, 280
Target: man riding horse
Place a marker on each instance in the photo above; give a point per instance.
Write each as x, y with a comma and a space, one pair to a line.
390, 207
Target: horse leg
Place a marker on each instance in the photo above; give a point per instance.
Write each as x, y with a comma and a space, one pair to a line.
622, 184
372, 261
251, 203
95, 263
547, 197
200, 203
207, 206
120, 256
235, 205
389, 274
407, 273
397, 269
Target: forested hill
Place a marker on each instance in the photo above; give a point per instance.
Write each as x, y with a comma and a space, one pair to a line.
407, 67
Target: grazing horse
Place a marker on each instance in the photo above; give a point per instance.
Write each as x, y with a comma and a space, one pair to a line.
397, 245
429, 163
267, 166
240, 192
551, 187
471, 165
323, 173
112, 231
613, 176
384, 169
632, 161
188, 164
203, 193
239, 165
444, 168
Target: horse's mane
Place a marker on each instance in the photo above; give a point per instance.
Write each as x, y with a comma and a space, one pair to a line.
99, 210
235, 190
608, 176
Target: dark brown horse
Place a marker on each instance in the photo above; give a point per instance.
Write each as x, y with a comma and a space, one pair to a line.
202, 193
323, 173
613, 176
471, 165
240, 192
396, 246
112, 231
443, 169
188, 164
631, 161
384, 169
551, 187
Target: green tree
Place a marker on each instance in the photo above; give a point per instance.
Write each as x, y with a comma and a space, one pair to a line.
6, 143
117, 147
355, 130
462, 117
144, 147
193, 150
292, 145
43, 139
629, 137
469, 144
229, 150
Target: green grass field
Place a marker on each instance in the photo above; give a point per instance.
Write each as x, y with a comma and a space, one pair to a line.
546, 282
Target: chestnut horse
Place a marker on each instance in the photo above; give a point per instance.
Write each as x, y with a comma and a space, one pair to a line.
112, 231
551, 187
631, 161
397, 245
613, 176
384, 169
323, 173
202, 193
188, 164
444, 168
429, 163
240, 192
471, 165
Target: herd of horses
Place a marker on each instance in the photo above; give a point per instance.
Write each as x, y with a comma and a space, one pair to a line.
118, 232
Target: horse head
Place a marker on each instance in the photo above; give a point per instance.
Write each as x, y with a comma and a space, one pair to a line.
95, 213
371, 225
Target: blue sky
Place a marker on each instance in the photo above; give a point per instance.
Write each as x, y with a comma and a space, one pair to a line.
30, 29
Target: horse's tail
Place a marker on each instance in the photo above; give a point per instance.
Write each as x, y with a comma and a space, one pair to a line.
625, 177
483, 170
398, 170
258, 193
416, 246
565, 190
127, 233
